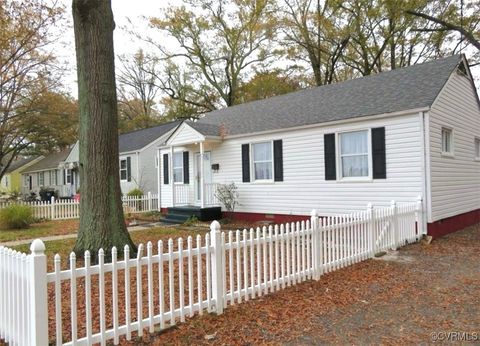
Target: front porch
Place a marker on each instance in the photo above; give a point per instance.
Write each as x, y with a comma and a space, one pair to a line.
188, 170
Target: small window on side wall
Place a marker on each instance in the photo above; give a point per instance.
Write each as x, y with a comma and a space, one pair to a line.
447, 141
477, 149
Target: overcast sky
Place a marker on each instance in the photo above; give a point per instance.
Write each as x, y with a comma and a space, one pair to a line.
129, 13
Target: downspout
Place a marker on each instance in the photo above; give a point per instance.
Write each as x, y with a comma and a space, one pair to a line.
138, 170
425, 127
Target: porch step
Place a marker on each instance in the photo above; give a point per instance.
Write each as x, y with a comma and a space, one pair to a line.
178, 215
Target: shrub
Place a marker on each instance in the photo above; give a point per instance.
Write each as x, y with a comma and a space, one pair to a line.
16, 216
135, 193
227, 194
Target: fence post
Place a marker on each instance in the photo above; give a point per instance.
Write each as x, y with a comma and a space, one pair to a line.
371, 229
38, 296
421, 229
394, 225
52, 208
149, 201
217, 266
316, 244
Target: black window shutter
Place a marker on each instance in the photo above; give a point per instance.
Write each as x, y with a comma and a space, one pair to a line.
186, 176
329, 156
278, 160
378, 153
165, 169
246, 163
129, 169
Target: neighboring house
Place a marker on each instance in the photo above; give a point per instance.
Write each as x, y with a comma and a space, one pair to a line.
12, 179
138, 157
392, 136
49, 173
137, 153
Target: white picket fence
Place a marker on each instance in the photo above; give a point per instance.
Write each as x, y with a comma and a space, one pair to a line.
64, 209
169, 284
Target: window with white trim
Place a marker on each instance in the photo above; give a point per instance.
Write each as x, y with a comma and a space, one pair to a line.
262, 161
354, 154
123, 169
26, 180
41, 178
53, 177
447, 141
68, 176
477, 148
177, 167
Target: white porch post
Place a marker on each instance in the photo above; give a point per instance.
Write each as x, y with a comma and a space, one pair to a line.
202, 180
170, 174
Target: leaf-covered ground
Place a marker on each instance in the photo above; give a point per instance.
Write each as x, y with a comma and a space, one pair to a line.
399, 299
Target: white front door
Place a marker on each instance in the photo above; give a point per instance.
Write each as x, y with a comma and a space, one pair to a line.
207, 170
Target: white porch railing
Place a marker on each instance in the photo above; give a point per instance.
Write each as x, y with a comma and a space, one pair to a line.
185, 194
168, 284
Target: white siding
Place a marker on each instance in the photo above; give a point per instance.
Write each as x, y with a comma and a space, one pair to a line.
185, 134
304, 186
166, 189
455, 181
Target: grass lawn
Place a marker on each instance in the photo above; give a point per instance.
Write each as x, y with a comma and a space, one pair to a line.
38, 230
65, 246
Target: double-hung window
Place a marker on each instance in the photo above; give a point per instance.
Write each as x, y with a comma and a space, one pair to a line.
41, 178
262, 158
68, 176
53, 177
354, 156
177, 167
123, 169
447, 141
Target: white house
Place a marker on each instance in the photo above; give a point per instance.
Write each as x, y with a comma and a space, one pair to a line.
49, 173
138, 157
397, 135
137, 153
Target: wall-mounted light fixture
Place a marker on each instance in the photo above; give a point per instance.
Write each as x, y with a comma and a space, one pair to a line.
215, 167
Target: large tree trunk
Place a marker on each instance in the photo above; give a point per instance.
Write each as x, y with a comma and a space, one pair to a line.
102, 222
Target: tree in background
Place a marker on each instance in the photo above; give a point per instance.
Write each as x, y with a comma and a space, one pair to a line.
102, 224
267, 84
138, 92
28, 71
463, 19
315, 32
382, 36
218, 45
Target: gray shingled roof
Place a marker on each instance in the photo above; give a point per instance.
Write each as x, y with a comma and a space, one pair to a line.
20, 163
48, 162
136, 140
402, 89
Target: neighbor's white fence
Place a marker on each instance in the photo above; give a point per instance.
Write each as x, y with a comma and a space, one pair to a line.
64, 209
169, 283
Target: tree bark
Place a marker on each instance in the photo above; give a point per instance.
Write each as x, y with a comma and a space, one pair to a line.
102, 222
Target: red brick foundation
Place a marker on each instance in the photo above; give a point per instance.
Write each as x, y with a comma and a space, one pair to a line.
275, 218
452, 224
